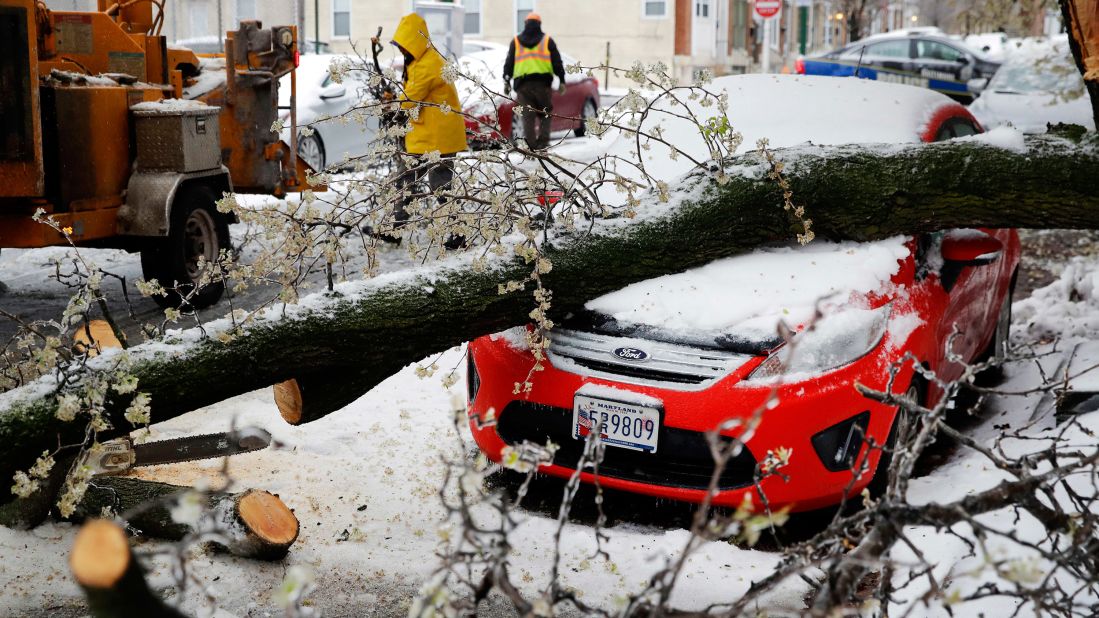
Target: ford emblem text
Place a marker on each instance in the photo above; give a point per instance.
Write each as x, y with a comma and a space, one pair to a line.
632, 354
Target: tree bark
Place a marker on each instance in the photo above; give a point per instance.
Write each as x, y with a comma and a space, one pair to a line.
112, 580
257, 524
854, 193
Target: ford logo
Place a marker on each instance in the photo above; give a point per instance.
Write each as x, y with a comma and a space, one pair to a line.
632, 354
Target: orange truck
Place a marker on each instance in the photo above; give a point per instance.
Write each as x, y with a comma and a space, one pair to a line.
128, 143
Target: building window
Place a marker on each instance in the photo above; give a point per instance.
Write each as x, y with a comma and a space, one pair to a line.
522, 9
654, 9
740, 25
341, 18
199, 20
473, 17
246, 9
702, 8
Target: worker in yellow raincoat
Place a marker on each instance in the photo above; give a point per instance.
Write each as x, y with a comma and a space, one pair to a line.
438, 125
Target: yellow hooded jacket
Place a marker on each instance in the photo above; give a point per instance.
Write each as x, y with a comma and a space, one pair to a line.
434, 129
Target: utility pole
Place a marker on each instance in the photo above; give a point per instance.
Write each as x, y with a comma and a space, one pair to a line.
316, 26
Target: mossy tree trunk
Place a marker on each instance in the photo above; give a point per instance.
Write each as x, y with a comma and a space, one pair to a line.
855, 193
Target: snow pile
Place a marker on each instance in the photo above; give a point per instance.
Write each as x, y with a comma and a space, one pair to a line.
753, 291
1007, 138
1069, 307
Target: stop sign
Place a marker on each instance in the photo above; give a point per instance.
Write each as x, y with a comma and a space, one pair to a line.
768, 8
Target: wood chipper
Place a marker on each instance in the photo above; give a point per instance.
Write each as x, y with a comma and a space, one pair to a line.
127, 143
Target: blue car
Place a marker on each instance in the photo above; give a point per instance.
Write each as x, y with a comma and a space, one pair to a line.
923, 60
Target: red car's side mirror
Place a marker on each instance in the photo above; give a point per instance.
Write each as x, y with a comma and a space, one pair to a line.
971, 247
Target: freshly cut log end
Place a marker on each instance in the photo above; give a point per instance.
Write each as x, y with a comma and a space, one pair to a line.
289, 401
112, 580
102, 338
268, 517
101, 555
308, 397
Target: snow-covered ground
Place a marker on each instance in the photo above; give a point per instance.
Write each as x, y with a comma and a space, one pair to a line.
364, 484
364, 481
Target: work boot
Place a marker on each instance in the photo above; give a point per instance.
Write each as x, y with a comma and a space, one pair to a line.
389, 238
455, 242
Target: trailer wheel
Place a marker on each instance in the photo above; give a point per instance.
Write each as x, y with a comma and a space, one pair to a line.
196, 231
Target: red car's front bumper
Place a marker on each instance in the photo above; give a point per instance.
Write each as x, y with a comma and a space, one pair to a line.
682, 465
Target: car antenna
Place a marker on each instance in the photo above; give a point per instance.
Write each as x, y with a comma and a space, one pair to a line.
859, 65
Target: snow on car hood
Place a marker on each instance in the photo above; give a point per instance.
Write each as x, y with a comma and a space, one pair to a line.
744, 297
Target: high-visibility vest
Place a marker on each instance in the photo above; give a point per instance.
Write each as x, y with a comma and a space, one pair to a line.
532, 60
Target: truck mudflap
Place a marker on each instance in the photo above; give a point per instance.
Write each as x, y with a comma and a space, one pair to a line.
149, 197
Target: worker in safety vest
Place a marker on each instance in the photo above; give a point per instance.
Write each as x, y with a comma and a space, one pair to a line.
532, 62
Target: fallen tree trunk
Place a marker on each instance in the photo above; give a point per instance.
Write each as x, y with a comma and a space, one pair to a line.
112, 580
253, 523
856, 193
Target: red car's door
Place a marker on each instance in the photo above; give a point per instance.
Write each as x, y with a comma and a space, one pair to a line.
566, 107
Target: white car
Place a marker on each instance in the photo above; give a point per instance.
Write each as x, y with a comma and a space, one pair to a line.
472, 46
995, 45
328, 108
1038, 85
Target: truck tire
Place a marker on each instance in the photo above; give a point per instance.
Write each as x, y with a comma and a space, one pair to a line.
196, 229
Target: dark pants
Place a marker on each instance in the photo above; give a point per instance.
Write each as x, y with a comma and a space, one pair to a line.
536, 98
439, 175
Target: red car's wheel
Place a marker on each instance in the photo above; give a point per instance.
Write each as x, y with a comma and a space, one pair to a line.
589, 111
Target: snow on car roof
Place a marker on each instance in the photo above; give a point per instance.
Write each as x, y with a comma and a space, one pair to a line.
787, 110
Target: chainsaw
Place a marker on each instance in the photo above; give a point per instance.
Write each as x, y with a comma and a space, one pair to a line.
122, 454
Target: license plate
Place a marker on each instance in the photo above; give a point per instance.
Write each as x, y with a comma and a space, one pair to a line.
625, 425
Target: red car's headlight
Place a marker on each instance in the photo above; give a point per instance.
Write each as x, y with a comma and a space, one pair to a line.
835, 340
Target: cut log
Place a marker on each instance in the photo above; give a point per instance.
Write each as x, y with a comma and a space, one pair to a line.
113, 582
307, 398
854, 193
101, 337
257, 524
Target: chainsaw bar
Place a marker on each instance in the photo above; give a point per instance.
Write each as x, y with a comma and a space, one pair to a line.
191, 448
120, 455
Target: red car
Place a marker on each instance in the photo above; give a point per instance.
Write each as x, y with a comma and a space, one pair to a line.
492, 120
663, 361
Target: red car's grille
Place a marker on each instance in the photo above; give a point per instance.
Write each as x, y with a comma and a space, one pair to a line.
682, 458
664, 362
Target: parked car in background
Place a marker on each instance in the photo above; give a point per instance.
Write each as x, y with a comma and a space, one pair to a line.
996, 46
326, 107
490, 115
915, 59
1038, 85
472, 46
656, 365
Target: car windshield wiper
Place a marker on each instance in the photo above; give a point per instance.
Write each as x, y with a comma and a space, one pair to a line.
593, 321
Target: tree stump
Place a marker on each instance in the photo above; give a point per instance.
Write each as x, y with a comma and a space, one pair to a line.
253, 523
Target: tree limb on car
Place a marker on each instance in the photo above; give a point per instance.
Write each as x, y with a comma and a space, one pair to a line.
359, 338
